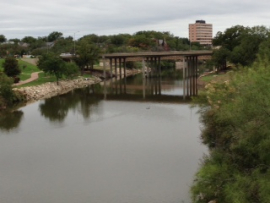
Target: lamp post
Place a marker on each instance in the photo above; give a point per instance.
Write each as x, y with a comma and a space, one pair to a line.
47, 44
74, 42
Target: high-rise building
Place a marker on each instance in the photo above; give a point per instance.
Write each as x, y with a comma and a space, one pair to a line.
201, 32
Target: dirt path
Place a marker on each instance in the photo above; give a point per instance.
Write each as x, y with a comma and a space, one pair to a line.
34, 76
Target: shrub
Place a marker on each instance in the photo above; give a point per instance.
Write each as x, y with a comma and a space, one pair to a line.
6, 88
11, 67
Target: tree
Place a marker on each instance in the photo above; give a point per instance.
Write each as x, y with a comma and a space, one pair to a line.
87, 55
230, 38
54, 65
54, 36
71, 70
241, 44
29, 39
15, 40
220, 58
6, 93
11, 67
2, 38
263, 56
63, 45
142, 42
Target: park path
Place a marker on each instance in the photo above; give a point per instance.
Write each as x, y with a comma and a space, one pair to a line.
34, 76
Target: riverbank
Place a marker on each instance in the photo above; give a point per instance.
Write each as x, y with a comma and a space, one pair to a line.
50, 89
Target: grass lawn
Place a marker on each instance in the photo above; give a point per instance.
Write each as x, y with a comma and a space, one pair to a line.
26, 68
1, 64
43, 78
216, 77
208, 78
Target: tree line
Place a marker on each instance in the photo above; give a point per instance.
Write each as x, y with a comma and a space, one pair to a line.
57, 43
239, 45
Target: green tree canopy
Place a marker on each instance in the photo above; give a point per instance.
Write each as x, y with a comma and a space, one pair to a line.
11, 67
87, 55
63, 45
6, 93
241, 44
2, 38
54, 36
54, 65
29, 39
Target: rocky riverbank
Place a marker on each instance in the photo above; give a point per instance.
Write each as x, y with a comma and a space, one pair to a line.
51, 89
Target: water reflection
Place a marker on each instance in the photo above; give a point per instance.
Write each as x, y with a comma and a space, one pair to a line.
10, 121
139, 88
81, 100
143, 150
134, 88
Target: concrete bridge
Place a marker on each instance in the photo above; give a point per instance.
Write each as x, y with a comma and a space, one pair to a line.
190, 60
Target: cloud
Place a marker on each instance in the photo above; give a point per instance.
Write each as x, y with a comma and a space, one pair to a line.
105, 17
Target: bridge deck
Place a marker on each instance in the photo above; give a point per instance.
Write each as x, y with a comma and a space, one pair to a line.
158, 54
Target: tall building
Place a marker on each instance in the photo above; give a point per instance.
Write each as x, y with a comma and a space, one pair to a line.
201, 32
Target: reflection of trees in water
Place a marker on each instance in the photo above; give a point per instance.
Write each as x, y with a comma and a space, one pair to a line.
80, 100
10, 120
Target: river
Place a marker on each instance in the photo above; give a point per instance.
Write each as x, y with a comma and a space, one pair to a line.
81, 148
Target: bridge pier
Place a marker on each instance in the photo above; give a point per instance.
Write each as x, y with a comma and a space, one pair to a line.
190, 69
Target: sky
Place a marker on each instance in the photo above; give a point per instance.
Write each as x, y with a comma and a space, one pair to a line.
77, 18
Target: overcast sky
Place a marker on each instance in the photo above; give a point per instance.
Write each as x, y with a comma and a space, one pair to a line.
20, 18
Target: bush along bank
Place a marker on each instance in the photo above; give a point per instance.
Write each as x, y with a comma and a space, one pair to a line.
8, 97
236, 118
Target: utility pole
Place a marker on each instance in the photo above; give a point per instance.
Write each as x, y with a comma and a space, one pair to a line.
74, 42
47, 44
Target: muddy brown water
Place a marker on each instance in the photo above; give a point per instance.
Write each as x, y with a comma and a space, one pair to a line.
81, 148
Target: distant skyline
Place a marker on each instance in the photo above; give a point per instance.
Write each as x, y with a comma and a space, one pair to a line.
105, 17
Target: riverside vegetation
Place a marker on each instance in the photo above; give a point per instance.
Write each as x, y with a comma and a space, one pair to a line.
236, 117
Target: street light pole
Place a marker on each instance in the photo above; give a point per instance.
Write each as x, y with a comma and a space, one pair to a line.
74, 42
47, 45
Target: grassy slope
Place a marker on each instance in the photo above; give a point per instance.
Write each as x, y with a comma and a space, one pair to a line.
215, 77
27, 69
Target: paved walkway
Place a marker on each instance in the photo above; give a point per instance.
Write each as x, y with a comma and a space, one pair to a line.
34, 76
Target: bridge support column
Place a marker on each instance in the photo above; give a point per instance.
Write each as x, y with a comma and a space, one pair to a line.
125, 75
111, 68
143, 75
120, 69
193, 76
188, 75
196, 75
116, 75
104, 75
115, 67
